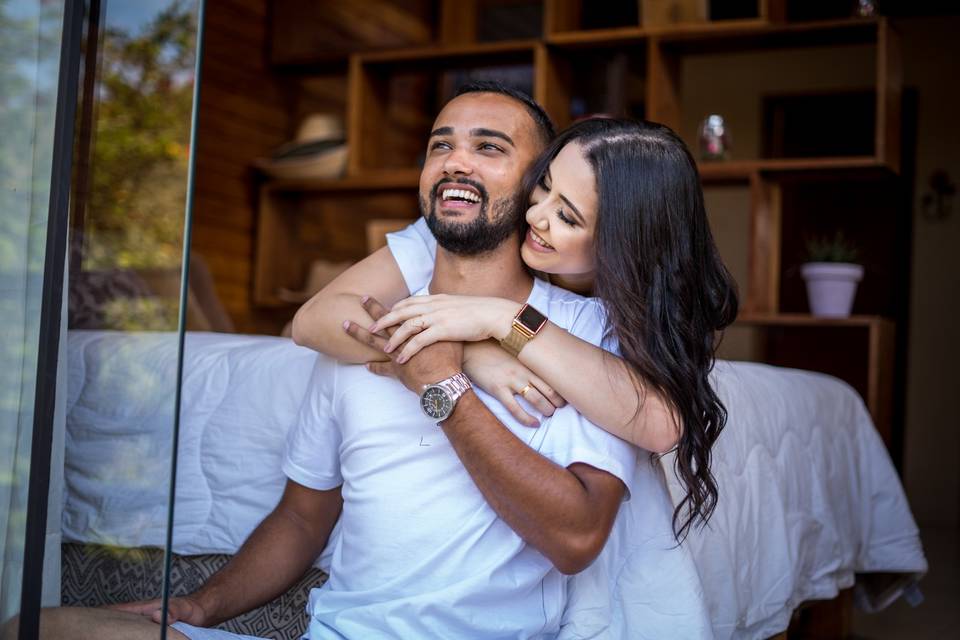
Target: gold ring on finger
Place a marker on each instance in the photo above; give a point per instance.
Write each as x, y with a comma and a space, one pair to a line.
523, 391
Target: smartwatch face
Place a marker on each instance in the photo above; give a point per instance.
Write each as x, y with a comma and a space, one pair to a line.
531, 318
436, 403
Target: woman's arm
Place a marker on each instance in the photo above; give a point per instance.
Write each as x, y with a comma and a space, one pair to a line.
319, 322
504, 377
602, 388
597, 383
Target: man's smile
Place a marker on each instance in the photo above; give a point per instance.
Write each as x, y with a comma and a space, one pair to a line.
457, 195
459, 192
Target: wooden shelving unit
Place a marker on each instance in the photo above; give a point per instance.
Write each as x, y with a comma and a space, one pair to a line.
393, 96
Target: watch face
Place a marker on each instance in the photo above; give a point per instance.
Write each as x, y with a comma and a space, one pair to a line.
531, 318
436, 403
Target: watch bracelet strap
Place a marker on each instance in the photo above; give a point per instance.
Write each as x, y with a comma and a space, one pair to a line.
457, 385
515, 340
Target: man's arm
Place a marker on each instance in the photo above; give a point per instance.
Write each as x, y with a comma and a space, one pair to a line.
565, 513
273, 558
318, 324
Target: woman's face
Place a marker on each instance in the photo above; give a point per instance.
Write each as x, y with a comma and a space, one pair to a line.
563, 217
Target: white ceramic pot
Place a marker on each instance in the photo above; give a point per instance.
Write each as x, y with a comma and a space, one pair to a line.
831, 287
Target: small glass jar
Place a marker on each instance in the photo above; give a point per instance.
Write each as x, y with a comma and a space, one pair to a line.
714, 138
866, 8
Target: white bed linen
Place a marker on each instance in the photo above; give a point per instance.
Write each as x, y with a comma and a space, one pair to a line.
240, 396
808, 493
808, 497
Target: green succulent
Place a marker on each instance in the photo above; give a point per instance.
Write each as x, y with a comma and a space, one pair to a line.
831, 249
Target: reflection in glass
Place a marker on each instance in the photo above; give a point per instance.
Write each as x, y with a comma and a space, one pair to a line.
128, 226
128, 229
30, 34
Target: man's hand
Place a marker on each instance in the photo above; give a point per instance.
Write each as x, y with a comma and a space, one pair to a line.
184, 609
431, 364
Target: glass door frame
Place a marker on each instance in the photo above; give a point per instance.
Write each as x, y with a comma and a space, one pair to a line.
50, 316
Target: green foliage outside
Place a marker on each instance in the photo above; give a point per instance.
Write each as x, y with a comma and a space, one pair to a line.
25, 48
135, 213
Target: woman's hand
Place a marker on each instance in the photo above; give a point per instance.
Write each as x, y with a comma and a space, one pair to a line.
424, 320
504, 377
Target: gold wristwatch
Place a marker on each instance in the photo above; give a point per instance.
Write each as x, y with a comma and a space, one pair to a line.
526, 324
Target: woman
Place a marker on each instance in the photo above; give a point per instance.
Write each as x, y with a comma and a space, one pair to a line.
616, 211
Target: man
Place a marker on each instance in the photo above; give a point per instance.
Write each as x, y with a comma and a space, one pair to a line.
453, 525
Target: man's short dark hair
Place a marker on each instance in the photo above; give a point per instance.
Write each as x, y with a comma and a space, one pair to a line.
544, 125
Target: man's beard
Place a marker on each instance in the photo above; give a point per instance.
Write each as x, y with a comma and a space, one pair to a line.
481, 235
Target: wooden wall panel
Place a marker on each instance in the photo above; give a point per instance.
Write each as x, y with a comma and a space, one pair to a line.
243, 114
247, 109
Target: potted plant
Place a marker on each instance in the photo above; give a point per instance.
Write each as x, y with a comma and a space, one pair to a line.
832, 275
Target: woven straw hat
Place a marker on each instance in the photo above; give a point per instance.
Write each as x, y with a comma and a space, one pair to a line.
318, 151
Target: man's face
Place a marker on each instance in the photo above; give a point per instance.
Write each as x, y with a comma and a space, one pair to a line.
479, 148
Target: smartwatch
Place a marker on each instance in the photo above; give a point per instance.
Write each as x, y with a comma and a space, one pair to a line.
526, 324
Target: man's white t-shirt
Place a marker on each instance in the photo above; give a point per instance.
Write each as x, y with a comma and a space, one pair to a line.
421, 554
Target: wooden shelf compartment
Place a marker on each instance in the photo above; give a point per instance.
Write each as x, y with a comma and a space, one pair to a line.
668, 55
296, 227
790, 208
870, 214
490, 20
395, 96
572, 16
859, 350
607, 80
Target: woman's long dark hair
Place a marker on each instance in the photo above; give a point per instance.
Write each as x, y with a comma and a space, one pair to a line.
658, 272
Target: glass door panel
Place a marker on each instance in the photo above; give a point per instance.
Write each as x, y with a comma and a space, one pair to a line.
30, 41
129, 225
